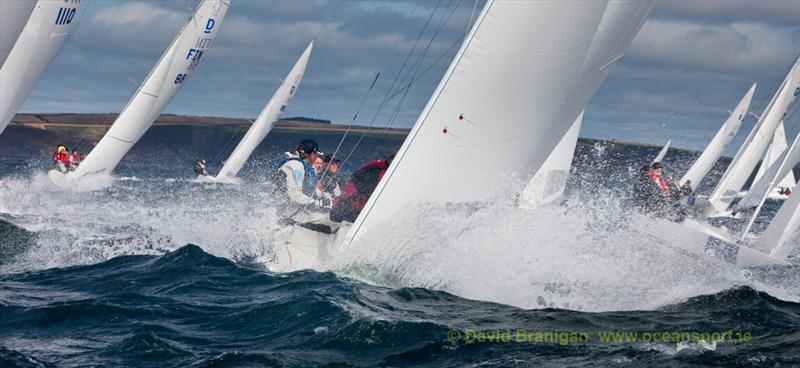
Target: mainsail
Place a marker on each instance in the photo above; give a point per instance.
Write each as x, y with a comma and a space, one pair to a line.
49, 25
784, 227
164, 81
756, 143
724, 136
662, 153
513, 90
13, 16
760, 190
271, 113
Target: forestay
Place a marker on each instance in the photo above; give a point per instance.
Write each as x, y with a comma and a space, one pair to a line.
266, 120
701, 167
510, 95
756, 143
783, 228
164, 81
49, 26
13, 16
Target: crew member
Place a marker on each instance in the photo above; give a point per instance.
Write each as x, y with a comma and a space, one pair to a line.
199, 168
295, 183
76, 159
61, 159
358, 189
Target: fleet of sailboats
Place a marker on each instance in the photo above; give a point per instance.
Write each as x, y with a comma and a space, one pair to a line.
165, 80
522, 78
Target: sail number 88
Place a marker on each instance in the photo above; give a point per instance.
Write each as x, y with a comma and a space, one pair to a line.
180, 78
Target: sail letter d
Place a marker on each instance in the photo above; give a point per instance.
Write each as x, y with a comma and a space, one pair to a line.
209, 25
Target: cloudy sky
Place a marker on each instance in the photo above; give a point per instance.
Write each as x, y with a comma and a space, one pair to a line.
690, 64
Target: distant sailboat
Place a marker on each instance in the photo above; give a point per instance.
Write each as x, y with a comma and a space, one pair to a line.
49, 26
164, 81
760, 190
662, 153
756, 143
512, 92
785, 226
13, 16
266, 120
774, 151
703, 165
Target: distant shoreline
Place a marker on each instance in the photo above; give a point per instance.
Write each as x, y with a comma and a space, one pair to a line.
103, 121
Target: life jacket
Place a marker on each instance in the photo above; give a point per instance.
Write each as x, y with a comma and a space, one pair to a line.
358, 190
61, 157
76, 158
662, 184
309, 179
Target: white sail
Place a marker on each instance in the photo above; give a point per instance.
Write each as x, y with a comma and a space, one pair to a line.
164, 81
662, 153
776, 147
756, 143
724, 136
548, 185
265, 121
784, 227
513, 90
13, 16
49, 25
760, 190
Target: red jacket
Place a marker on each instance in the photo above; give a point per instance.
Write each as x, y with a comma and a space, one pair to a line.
62, 157
358, 190
662, 184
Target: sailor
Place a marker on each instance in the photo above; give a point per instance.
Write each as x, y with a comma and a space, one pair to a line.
657, 174
199, 168
329, 180
61, 159
358, 189
295, 183
76, 159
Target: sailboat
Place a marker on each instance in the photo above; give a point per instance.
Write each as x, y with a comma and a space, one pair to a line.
769, 180
164, 81
49, 26
784, 227
774, 151
13, 16
522, 77
701, 167
756, 143
662, 153
265, 121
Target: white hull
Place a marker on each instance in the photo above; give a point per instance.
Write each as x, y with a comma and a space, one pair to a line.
707, 240
297, 248
215, 179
